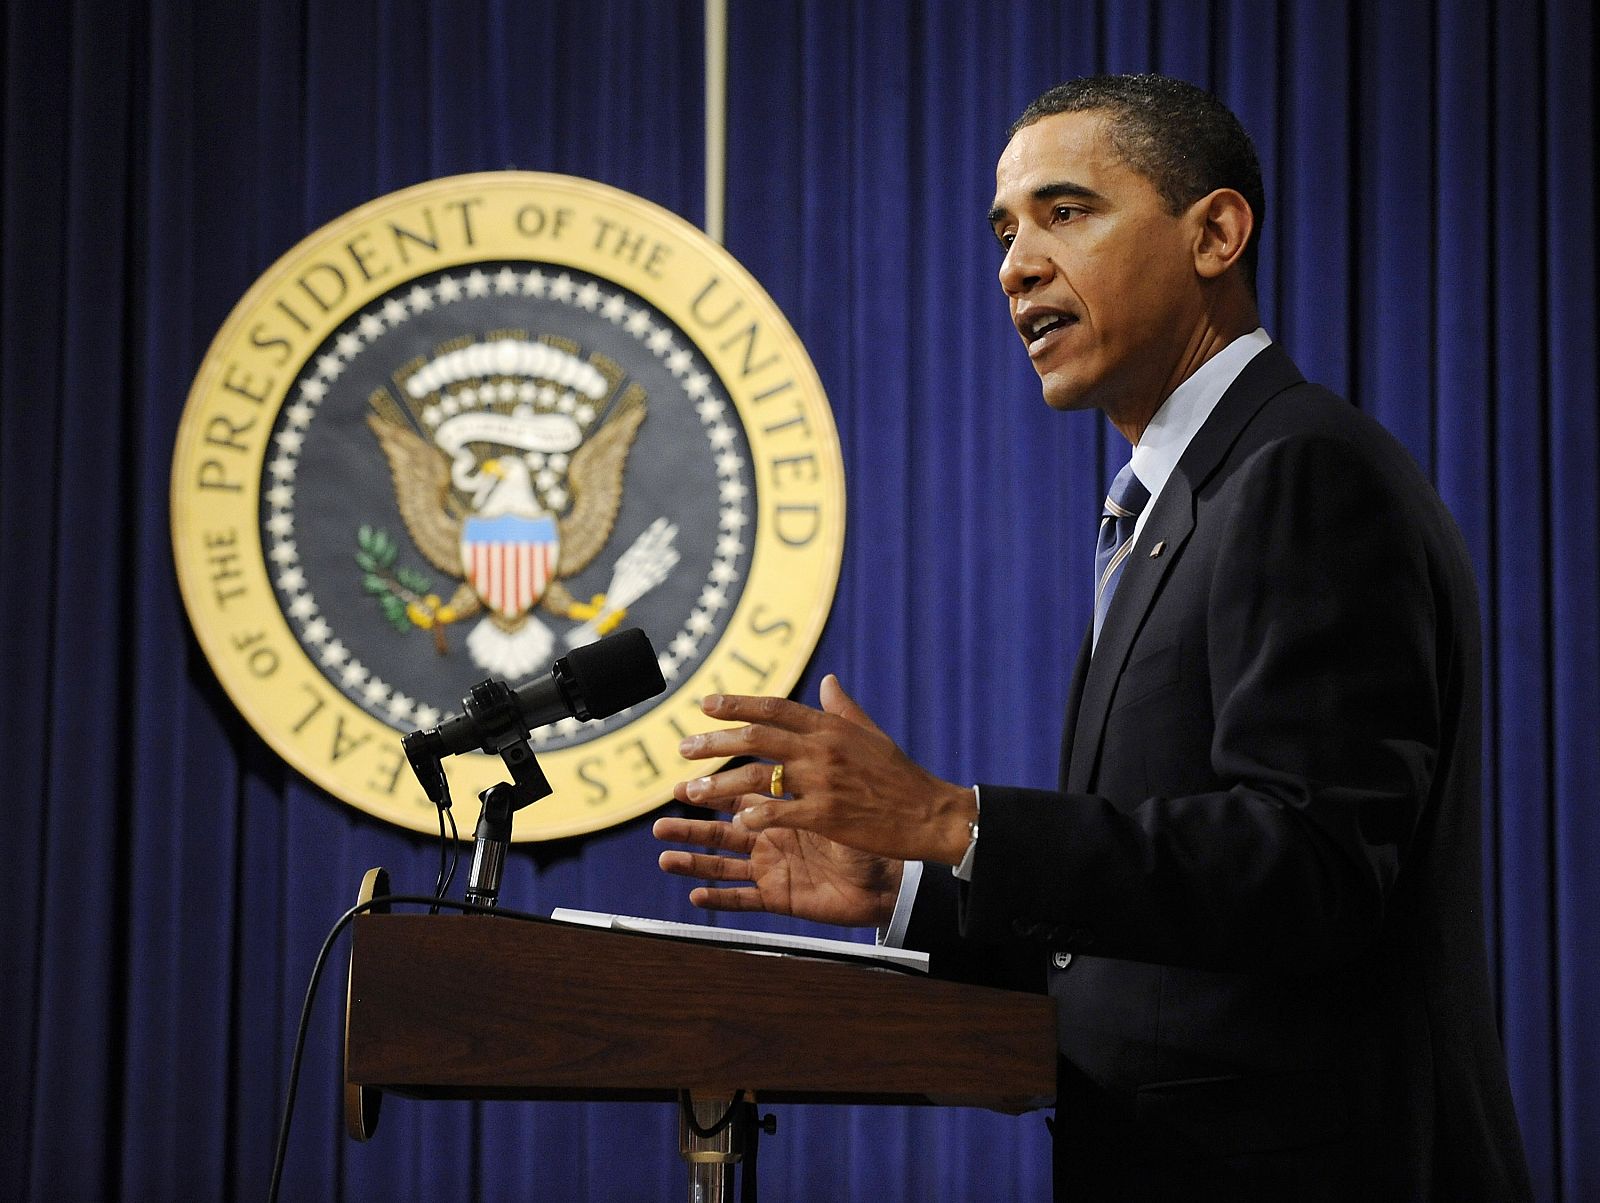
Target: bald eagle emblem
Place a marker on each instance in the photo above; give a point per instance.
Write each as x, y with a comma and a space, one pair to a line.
507, 463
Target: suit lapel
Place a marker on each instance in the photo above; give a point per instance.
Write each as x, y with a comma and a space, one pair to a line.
1171, 522
1074, 699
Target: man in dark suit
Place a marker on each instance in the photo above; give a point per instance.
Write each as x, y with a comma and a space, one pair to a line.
1257, 896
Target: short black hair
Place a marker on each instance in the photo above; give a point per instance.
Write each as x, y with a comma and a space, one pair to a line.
1179, 137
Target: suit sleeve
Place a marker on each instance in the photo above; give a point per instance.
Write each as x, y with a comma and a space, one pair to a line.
935, 929
1323, 665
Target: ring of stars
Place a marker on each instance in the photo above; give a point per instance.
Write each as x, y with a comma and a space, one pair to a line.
338, 662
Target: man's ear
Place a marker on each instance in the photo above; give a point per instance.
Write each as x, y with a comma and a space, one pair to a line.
1223, 224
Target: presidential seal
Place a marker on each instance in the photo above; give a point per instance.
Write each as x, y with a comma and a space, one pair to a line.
473, 425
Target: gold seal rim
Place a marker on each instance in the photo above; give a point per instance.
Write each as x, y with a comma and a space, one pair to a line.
247, 693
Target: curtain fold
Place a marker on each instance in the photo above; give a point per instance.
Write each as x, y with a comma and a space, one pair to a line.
1429, 251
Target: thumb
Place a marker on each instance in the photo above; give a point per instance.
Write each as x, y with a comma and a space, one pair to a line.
836, 701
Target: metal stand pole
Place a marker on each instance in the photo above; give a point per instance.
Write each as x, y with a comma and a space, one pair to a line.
712, 1157
491, 839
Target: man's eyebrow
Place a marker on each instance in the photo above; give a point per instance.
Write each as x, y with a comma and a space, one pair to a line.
1046, 192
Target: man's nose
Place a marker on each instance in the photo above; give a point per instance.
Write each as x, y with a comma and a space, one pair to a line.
1025, 266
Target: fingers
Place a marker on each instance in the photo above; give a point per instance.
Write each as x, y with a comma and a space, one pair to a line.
707, 833
705, 866
755, 739
836, 701
728, 798
758, 812
719, 788
711, 833
781, 731
718, 898
765, 711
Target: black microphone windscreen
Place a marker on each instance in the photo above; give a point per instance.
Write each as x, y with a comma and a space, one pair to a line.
617, 672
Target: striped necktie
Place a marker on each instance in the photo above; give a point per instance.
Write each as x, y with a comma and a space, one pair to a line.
1128, 496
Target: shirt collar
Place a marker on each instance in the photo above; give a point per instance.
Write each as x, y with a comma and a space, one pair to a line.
1185, 411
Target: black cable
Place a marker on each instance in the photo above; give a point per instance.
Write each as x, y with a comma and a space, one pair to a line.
716, 1128
444, 854
344, 921
455, 853
447, 847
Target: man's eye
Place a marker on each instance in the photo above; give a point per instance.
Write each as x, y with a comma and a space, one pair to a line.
1006, 239
1066, 212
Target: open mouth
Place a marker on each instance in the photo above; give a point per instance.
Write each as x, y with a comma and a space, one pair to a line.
1039, 330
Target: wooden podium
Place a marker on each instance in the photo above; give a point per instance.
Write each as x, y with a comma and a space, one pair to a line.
473, 1007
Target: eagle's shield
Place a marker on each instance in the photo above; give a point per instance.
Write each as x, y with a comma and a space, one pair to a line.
509, 559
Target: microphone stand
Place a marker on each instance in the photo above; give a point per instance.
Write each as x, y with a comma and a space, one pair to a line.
595, 681
491, 840
493, 707
499, 724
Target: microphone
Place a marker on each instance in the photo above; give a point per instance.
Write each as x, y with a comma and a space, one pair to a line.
590, 682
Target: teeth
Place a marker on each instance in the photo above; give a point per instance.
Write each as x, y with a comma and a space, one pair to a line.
1040, 324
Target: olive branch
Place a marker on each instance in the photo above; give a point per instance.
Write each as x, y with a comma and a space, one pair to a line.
397, 588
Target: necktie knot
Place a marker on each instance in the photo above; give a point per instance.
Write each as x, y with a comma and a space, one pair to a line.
1128, 495
1124, 503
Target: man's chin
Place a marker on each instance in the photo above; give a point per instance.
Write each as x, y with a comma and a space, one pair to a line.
1066, 394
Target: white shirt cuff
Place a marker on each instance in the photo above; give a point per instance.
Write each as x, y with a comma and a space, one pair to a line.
964, 869
894, 936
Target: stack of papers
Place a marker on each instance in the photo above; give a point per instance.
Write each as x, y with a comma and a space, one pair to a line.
749, 941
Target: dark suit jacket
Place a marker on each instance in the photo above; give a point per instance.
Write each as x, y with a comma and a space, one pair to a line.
1262, 871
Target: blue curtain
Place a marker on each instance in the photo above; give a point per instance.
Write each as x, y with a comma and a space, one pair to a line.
1429, 251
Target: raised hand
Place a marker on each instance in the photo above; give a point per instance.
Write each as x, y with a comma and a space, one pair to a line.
855, 805
789, 873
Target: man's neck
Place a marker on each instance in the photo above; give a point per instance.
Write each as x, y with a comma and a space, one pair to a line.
1207, 340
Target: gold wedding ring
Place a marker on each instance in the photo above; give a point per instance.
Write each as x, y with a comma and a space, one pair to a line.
776, 788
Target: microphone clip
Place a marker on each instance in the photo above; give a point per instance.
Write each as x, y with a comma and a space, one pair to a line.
493, 707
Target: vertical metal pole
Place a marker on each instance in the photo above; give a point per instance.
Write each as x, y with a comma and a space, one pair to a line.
716, 115
711, 1159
